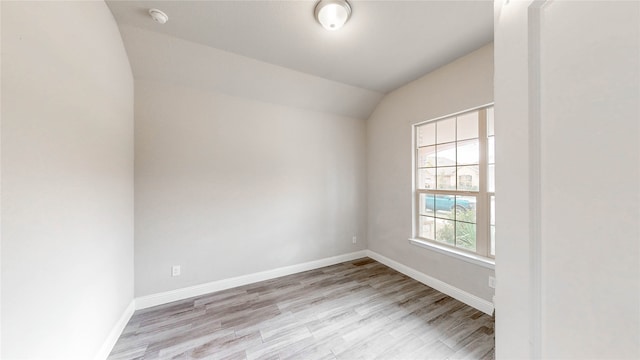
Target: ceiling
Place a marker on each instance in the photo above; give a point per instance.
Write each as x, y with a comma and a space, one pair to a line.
385, 44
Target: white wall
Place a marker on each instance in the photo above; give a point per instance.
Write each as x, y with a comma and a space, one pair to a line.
67, 179
227, 186
460, 85
568, 276
590, 240
513, 299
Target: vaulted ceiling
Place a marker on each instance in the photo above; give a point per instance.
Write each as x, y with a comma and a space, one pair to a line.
385, 44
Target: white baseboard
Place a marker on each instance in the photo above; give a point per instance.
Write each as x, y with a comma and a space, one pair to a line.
461, 295
147, 301
115, 332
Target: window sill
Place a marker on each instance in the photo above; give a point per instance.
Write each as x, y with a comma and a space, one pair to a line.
464, 256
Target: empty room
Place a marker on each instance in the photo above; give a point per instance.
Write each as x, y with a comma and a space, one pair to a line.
320, 179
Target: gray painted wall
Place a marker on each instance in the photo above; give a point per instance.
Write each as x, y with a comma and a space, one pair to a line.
67, 179
227, 186
460, 85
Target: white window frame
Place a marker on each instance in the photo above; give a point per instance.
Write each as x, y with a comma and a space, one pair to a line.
482, 256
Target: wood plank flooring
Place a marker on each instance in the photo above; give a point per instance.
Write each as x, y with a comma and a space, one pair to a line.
354, 310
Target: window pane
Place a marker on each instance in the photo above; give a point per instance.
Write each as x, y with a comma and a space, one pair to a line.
426, 134
427, 156
426, 227
490, 122
466, 236
466, 208
492, 222
445, 231
491, 181
492, 210
491, 153
468, 152
426, 179
445, 204
446, 130
426, 206
468, 178
446, 154
446, 178
493, 240
468, 126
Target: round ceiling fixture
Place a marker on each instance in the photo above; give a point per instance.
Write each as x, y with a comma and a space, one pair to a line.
158, 16
332, 14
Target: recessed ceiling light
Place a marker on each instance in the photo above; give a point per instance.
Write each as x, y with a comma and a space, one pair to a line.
158, 16
332, 14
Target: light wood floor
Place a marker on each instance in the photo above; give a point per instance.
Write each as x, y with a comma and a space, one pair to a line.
355, 310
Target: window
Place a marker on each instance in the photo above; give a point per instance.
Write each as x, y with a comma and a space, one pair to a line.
454, 191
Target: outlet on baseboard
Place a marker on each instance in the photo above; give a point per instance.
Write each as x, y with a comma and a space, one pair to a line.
492, 282
354, 239
175, 270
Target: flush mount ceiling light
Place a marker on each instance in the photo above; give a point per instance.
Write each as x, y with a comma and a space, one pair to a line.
332, 14
158, 16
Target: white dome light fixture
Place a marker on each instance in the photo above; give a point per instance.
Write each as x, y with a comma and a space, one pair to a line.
158, 16
332, 14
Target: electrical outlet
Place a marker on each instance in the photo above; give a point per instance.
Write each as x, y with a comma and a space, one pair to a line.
175, 270
354, 239
492, 282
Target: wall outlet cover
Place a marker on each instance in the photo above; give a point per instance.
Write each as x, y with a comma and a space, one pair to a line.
175, 270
